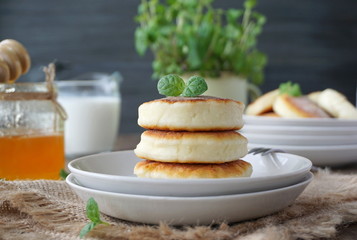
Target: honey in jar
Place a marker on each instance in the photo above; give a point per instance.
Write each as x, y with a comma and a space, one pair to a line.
30, 156
31, 132
31, 119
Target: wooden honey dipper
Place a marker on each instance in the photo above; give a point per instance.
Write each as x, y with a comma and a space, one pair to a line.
14, 60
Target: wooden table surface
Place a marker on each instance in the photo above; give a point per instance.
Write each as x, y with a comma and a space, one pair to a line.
129, 141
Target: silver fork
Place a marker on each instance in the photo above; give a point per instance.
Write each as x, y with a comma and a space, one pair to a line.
269, 155
266, 152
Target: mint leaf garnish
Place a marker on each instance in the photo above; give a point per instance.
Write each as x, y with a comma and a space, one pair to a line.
86, 229
92, 212
63, 174
171, 85
195, 86
292, 89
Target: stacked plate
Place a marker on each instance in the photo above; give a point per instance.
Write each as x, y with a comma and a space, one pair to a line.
326, 142
277, 180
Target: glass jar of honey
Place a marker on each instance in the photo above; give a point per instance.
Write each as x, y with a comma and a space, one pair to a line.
31, 132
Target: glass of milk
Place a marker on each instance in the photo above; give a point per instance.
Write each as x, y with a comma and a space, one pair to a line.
93, 107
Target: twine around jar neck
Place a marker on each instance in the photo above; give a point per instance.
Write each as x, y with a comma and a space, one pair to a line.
51, 94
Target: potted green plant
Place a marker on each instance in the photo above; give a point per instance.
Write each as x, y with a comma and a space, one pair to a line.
190, 37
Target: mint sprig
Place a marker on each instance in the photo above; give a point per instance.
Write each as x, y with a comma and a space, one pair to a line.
63, 174
173, 85
92, 212
292, 89
195, 86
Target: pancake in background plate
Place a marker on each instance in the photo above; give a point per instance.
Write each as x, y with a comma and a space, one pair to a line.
269, 114
262, 104
153, 169
297, 107
336, 104
314, 96
200, 113
191, 147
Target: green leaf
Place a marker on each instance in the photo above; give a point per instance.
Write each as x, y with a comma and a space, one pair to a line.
140, 41
166, 30
195, 86
250, 4
292, 89
189, 3
87, 228
233, 32
193, 58
233, 15
92, 210
239, 62
260, 18
256, 62
219, 46
171, 85
63, 174
142, 8
156, 65
173, 68
204, 39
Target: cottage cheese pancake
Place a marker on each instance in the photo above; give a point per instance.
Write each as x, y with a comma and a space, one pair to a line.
201, 113
191, 147
298, 107
263, 104
337, 104
152, 169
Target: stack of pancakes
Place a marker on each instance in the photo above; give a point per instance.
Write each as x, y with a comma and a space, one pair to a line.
192, 137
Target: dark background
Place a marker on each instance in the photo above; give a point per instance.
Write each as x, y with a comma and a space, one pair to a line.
313, 43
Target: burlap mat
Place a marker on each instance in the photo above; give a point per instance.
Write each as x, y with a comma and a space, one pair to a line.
50, 210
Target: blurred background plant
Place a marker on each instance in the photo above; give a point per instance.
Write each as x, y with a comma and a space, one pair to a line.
313, 43
193, 36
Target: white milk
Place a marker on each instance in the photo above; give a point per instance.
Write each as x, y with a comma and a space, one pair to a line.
92, 123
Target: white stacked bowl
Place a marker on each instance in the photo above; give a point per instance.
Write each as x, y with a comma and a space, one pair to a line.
326, 142
109, 179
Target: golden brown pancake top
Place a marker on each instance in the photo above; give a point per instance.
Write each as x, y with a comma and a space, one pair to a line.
193, 170
201, 98
181, 134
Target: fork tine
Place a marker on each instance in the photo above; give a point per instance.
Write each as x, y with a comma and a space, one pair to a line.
262, 150
272, 150
253, 150
258, 150
270, 160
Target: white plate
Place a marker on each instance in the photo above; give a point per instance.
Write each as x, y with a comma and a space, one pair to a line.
332, 122
113, 172
320, 155
296, 140
299, 130
191, 210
